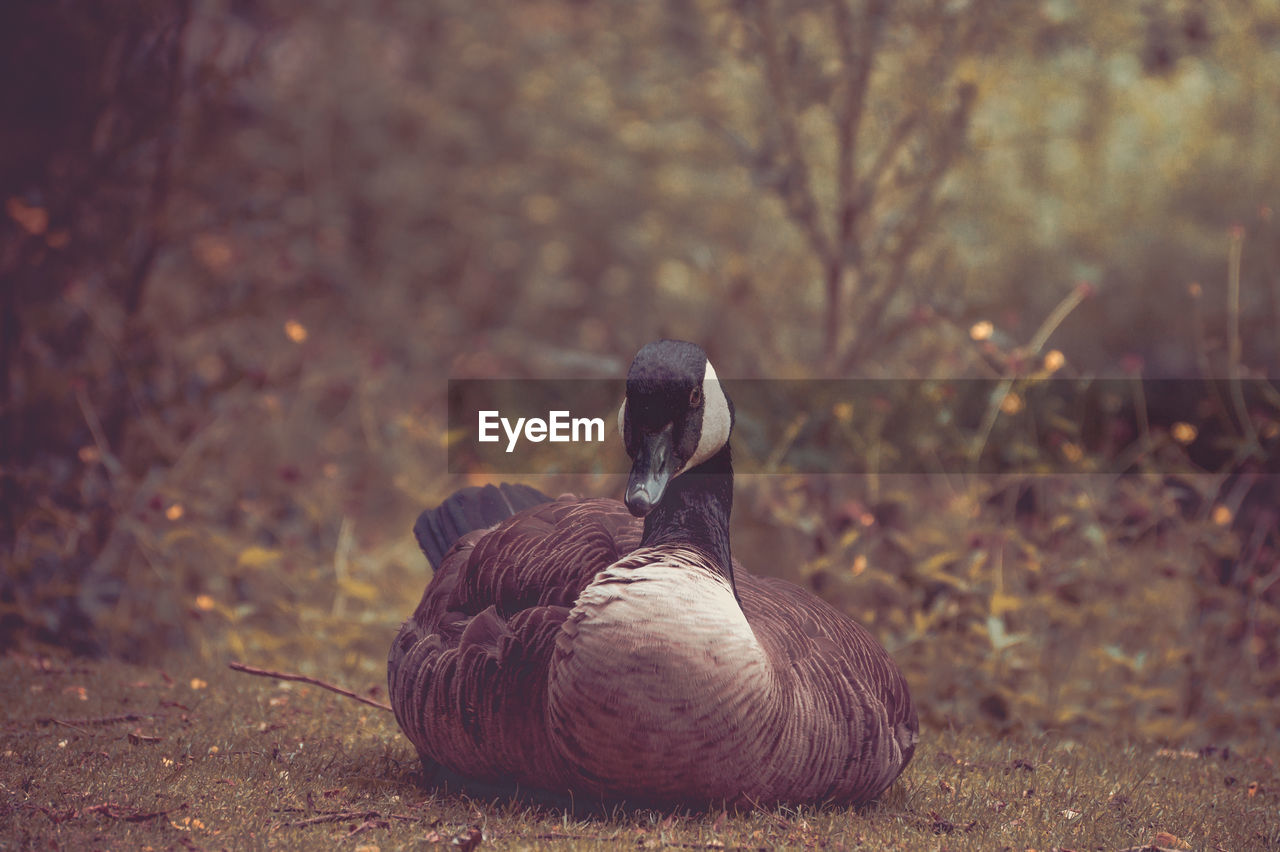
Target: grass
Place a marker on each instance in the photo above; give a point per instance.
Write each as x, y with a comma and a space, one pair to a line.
109, 755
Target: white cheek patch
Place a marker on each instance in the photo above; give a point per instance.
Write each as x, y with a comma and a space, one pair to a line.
622, 420
715, 420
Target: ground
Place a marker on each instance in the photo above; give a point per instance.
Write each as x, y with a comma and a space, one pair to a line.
109, 755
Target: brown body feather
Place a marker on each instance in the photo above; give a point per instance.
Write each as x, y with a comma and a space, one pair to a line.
553, 652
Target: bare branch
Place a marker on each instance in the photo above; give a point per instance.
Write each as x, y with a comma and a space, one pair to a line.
856, 61
916, 216
797, 189
253, 670
888, 152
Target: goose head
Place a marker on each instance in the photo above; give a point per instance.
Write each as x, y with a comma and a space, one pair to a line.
675, 417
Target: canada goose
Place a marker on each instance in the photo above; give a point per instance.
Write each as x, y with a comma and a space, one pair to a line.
561, 646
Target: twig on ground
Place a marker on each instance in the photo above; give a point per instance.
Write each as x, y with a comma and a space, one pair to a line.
367, 825
253, 670
71, 726
112, 811
99, 720
343, 816
54, 816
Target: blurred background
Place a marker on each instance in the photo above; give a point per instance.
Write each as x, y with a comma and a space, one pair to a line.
246, 242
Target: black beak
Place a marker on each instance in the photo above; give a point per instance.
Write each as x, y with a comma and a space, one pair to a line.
651, 470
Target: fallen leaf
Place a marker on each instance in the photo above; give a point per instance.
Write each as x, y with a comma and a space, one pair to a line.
859, 564
468, 840
295, 331
33, 219
213, 251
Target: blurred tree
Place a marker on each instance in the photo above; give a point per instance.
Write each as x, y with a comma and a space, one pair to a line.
226, 345
858, 112
1120, 144
89, 95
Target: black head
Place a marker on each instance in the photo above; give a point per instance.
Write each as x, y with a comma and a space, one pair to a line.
675, 417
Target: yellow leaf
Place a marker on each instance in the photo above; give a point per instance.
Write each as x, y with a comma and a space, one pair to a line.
921, 624
174, 536
358, 589
848, 538
934, 564
256, 557
1002, 603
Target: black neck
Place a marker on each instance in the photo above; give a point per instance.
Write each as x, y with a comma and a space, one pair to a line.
694, 512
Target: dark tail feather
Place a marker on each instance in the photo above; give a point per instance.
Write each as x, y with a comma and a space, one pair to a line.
470, 509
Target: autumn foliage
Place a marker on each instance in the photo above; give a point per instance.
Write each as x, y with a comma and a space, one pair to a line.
245, 244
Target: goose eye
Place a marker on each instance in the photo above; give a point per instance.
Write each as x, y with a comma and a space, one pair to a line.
695, 397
